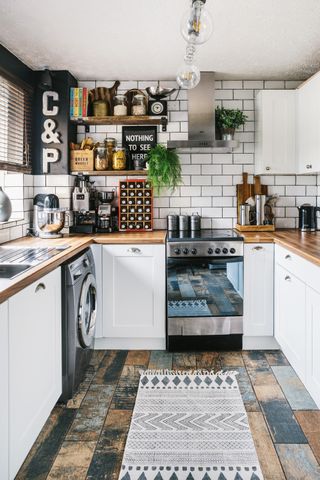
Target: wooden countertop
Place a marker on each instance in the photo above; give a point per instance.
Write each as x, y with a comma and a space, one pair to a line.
76, 243
307, 245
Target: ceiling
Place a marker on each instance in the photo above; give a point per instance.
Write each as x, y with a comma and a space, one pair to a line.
140, 39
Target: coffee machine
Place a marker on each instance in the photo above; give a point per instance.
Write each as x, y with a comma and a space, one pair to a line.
107, 214
84, 214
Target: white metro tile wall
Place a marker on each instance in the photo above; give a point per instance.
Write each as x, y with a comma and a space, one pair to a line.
210, 179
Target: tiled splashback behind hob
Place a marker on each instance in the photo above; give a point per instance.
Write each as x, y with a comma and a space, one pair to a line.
209, 186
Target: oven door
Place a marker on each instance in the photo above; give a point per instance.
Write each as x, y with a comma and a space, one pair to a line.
205, 296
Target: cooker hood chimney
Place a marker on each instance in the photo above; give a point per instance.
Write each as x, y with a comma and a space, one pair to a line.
201, 121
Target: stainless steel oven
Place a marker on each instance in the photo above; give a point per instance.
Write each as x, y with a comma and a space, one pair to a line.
205, 292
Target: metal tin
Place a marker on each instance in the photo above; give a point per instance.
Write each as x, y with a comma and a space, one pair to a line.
172, 222
244, 214
260, 204
195, 222
184, 223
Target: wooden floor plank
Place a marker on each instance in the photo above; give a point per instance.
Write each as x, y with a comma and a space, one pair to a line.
138, 357
160, 360
125, 394
276, 357
73, 461
294, 390
111, 367
267, 454
248, 395
208, 361
255, 359
231, 359
298, 462
184, 361
310, 424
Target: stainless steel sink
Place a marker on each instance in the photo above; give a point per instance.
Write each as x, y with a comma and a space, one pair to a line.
10, 270
16, 260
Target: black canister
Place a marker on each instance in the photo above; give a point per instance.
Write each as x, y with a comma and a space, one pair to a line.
172, 223
184, 223
195, 222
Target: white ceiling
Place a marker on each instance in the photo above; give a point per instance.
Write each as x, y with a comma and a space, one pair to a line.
140, 39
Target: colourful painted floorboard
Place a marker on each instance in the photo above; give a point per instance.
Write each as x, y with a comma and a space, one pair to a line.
85, 440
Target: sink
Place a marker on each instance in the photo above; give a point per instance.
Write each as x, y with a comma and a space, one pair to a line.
10, 270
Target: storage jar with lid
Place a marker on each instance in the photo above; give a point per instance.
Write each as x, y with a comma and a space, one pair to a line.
119, 159
100, 160
120, 106
110, 144
139, 105
100, 108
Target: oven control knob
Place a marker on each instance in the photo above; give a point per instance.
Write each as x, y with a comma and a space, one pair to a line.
177, 251
232, 250
194, 251
217, 251
225, 251
210, 251
185, 251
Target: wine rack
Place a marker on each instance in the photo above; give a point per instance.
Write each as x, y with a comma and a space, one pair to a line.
135, 205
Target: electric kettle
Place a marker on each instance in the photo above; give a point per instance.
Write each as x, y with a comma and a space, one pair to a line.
308, 218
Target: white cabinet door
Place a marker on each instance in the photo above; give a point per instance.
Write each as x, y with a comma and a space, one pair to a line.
97, 255
35, 376
290, 318
275, 150
258, 289
308, 126
313, 342
4, 406
134, 291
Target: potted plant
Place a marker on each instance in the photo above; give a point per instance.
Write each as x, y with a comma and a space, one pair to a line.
228, 120
164, 169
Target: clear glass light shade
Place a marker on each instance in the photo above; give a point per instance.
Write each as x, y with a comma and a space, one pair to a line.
196, 24
188, 76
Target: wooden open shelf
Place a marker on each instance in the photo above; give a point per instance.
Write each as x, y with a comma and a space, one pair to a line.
110, 173
121, 120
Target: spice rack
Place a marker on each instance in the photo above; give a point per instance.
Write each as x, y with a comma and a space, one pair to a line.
135, 205
121, 120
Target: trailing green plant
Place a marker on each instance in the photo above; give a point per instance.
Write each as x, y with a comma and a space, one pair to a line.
164, 169
228, 119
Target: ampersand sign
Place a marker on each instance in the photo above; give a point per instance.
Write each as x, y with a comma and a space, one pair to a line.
49, 135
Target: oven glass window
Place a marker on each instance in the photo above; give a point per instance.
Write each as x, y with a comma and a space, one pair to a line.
205, 287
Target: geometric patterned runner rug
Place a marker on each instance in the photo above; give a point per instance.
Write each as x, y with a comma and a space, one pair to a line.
189, 426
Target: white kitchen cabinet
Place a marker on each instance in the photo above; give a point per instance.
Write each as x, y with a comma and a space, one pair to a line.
134, 295
4, 405
275, 136
290, 318
308, 126
97, 255
312, 343
35, 376
258, 291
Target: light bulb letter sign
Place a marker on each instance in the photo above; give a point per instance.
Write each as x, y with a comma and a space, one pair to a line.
50, 135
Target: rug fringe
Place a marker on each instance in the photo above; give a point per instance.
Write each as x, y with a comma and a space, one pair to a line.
220, 373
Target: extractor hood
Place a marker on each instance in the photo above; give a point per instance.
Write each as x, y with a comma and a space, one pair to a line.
201, 121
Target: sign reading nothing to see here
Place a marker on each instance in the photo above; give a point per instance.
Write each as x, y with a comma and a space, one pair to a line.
138, 141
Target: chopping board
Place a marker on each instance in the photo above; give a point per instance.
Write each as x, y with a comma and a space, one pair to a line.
246, 190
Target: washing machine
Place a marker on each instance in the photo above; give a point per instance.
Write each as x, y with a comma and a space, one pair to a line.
79, 311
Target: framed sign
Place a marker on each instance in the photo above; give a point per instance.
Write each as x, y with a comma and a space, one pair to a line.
138, 141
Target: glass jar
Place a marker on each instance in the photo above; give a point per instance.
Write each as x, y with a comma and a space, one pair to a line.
101, 159
100, 108
119, 160
120, 105
110, 144
139, 105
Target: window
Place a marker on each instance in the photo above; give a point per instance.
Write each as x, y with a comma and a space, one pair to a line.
15, 126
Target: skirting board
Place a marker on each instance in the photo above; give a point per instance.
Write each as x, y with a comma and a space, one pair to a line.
130, 344
259, 343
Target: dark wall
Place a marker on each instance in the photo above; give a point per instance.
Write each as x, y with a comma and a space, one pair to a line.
12, 68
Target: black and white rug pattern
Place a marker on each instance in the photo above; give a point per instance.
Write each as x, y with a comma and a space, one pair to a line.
189, 426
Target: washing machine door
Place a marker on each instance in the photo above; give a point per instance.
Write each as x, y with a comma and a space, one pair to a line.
87, 311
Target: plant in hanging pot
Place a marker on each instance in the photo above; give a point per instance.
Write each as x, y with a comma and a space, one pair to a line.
228, 120
164, 169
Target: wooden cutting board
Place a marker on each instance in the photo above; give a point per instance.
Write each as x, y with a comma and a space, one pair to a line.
246, 190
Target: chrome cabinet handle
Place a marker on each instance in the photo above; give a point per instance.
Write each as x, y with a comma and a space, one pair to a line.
288, 257
287, 278
134, 250
257, 248
268, 168
40, 286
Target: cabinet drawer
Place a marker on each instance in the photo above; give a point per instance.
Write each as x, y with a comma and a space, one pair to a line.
307, 271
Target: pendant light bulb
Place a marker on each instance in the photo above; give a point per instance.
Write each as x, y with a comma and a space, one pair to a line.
188, 75
196, 24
